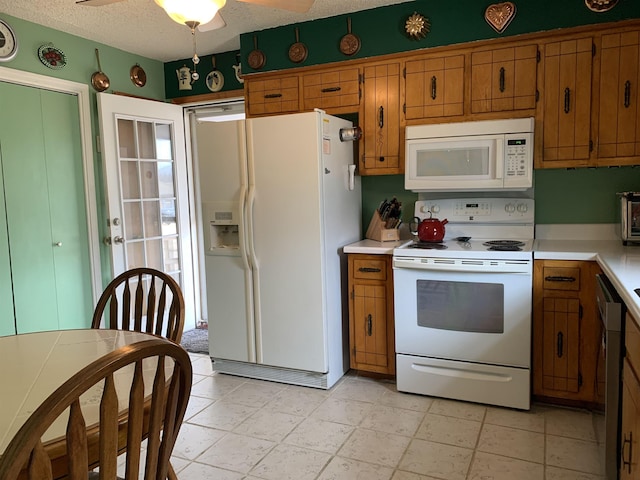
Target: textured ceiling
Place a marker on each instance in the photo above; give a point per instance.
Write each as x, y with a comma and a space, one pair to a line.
141, 27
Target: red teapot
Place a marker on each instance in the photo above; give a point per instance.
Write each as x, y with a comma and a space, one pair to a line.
428, 230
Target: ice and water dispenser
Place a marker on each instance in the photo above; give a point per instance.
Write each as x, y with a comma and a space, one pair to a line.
221, 233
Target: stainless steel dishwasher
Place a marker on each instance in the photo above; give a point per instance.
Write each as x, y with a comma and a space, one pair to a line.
611, 311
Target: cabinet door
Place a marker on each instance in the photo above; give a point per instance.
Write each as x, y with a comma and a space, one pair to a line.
434, 87
561, 361
619, 124
331, 90
272, 96
381, 117
630, 425
370, 326
567, 103
504, 79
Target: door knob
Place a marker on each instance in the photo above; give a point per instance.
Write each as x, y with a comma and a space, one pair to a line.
118, 240
57, 244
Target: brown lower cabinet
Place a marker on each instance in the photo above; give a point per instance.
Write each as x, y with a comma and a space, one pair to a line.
630, 426
566, 333
371, 326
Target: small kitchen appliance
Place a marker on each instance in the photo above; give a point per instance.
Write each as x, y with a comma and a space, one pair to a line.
470, 156
463, 309
629, 217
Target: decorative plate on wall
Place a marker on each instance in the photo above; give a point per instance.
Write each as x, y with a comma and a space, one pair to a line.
51, 56
600, 5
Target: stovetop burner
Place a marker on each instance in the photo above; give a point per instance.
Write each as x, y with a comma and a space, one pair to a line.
504, 245
429, 245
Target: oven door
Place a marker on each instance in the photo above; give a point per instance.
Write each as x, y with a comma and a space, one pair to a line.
469, 310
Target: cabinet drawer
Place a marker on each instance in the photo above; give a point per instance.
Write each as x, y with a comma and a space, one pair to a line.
370, 269
561, 278
272, 96
632, 342
331, 89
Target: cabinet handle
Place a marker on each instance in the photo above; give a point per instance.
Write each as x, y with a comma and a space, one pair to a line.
369, 270
627, 464
369, 325
559, 278
560, 345
381, 117
567, 100
273, 95
433, 87
627, 94
502, 79
331, 89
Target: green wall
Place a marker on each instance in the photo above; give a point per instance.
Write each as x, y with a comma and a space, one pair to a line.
81, 64
224, 63
381, 30
579, 195
582, 195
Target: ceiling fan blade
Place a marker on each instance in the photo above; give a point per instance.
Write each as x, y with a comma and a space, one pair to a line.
300, 6
96, 3
216, 23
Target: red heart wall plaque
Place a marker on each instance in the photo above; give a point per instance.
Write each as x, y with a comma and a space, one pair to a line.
499, 15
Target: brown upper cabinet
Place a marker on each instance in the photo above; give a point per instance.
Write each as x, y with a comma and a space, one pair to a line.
619, 116
272, 96
434, 87
331, 89
566, 105
581, 84
504, 79
380, 118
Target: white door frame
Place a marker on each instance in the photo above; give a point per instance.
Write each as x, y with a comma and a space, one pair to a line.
195, 203
80, 90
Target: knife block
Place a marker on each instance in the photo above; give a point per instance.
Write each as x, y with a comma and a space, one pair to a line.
376, 230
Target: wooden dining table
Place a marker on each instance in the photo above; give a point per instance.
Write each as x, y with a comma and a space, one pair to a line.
34, 365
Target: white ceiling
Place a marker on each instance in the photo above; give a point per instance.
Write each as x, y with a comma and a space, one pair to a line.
141, 27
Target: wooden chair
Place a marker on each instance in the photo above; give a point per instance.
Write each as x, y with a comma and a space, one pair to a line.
142, 300
155, 415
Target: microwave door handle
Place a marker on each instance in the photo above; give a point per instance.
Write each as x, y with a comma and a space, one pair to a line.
499, 157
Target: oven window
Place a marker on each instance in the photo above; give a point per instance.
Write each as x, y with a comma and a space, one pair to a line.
461, 306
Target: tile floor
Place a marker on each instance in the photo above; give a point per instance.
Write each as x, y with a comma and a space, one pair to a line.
238, 428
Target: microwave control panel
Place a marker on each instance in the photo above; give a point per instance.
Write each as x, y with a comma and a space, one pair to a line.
518, 159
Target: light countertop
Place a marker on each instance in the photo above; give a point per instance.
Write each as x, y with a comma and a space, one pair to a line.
374, 247
619, 263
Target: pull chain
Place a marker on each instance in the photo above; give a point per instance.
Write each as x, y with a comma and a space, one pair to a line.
194, 75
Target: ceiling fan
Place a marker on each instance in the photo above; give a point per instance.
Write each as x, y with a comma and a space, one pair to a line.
300, 6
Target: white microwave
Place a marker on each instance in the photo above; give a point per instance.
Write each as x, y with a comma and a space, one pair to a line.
470, 156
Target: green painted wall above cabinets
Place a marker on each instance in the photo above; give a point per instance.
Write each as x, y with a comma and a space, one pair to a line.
382, 30
224, 63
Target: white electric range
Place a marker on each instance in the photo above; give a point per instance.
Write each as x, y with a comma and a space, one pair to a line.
463, 306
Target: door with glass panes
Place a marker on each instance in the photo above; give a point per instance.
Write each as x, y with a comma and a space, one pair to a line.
147, 192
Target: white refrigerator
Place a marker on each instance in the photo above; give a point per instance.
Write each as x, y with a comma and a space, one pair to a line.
279, 201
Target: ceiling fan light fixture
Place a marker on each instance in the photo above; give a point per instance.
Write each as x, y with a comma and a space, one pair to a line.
187, 12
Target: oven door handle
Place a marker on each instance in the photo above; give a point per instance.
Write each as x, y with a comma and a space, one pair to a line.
512, 266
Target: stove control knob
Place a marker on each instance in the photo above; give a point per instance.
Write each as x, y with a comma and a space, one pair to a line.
435, 208
522, 208
509, 208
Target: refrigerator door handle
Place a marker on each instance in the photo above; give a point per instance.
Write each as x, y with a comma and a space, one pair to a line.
250, 240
